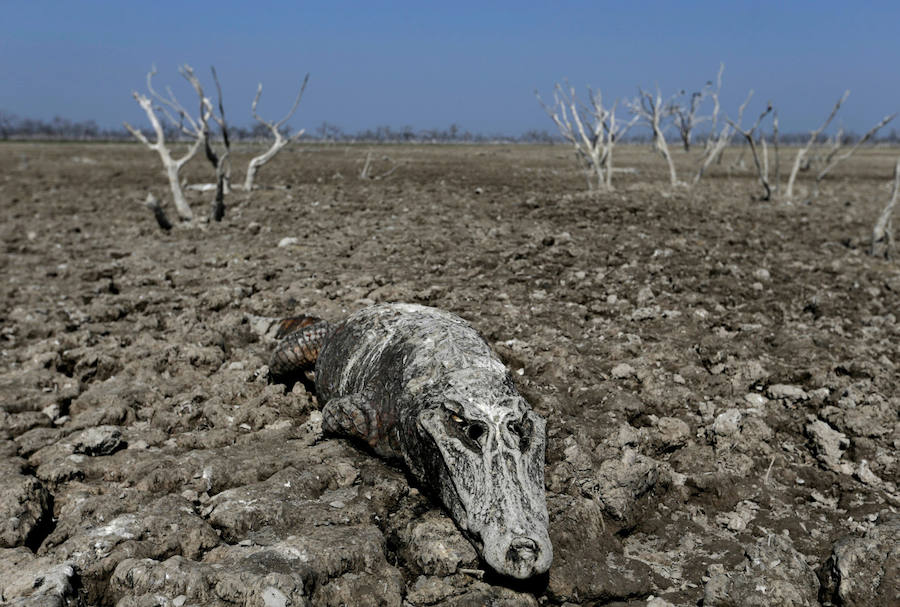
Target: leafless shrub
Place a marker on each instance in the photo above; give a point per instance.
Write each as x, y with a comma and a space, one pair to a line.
366, 172
717, 142
883, 231
762, 168
834, 158
591, 129
686, 116
802, 153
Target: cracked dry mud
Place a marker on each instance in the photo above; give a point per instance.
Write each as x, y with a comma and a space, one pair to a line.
719, 378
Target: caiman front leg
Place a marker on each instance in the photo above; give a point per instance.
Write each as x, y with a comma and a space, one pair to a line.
358, 416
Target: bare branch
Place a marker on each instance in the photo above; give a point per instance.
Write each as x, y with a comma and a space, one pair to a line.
275, 128
837, 160
777, 158
883, 231
813, 136
172, 103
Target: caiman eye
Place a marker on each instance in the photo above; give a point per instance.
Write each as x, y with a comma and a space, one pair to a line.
521, 429
472, 430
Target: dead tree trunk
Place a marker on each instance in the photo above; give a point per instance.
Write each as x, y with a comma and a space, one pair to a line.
275, 128
221, 162
802, 153
883, 232
762, 171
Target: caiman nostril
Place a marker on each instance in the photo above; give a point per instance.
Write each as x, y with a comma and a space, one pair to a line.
522, 549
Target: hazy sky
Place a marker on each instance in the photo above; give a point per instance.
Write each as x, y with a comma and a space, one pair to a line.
429, 64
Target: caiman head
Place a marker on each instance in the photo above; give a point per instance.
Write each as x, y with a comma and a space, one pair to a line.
482, 449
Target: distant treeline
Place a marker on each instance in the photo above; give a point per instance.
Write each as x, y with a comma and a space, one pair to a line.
13, 127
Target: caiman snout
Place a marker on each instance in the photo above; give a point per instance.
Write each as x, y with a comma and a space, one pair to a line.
523, 558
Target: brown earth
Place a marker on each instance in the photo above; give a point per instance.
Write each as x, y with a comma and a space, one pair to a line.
719, 376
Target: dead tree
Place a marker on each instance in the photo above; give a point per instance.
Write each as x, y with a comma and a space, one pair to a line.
714, 117
189, 125
883, 232
366, 172
834, 159
592, 130
275, 128
685, 116
652, 111
761, 169
722, 140
802, 152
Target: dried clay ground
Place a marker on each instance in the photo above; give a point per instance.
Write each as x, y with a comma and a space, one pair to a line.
719, 377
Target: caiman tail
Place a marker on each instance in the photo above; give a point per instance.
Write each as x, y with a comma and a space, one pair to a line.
300, 340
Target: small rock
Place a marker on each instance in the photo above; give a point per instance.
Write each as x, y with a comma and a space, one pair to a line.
436, 547
288, 241
101, 440
828, 445
645, 313
755, 399
24, 505
762, 274
563, 238
622, 371
672, 432
774, 573
644, 295
727, 423
51, 411
273, 597
865, 474
787, 392
865, 571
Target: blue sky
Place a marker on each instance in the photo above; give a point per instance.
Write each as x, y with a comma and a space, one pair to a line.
429, 64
